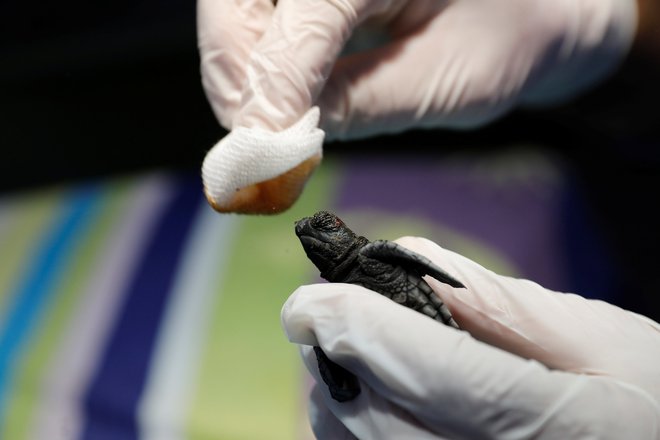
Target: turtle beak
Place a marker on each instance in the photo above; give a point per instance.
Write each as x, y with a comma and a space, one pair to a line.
315, 248
303, 227
307, 235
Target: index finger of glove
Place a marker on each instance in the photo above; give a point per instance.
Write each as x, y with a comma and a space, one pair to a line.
446, 381
227, 30
291, 62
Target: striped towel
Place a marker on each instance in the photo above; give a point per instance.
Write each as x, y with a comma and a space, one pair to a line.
130, 310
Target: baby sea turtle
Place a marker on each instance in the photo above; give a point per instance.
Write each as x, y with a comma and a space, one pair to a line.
383, 266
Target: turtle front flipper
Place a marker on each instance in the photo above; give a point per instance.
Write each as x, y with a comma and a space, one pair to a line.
342, 384
395, 254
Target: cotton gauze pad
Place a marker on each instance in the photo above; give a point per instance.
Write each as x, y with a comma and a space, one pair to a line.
257, 171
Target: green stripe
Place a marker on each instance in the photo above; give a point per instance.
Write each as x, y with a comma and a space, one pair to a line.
249, 383
31, 214
33, 366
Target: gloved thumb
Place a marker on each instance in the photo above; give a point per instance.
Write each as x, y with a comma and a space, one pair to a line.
561, 330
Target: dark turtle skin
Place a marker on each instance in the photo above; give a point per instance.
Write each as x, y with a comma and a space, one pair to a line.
382, 266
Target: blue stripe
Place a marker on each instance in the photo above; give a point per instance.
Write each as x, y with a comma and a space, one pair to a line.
113, 395
39, 282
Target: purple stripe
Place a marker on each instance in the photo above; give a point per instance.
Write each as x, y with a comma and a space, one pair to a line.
518, 219
111, 401
79, 350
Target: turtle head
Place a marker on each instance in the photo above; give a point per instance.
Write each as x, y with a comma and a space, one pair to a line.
329, 243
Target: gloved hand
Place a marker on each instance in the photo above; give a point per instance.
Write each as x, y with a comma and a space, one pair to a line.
530, 363
447, 63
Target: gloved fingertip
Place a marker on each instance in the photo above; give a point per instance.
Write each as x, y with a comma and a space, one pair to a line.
296, 321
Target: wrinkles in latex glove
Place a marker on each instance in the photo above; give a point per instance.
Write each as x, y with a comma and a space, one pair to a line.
454, 63
529, 362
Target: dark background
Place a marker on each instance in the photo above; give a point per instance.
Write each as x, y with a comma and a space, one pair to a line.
91, 89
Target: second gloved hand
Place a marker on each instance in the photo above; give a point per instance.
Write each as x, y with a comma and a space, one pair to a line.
530, 363
444, 63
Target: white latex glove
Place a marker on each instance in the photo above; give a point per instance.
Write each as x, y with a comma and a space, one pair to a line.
447, 63
530, 363
455, 63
